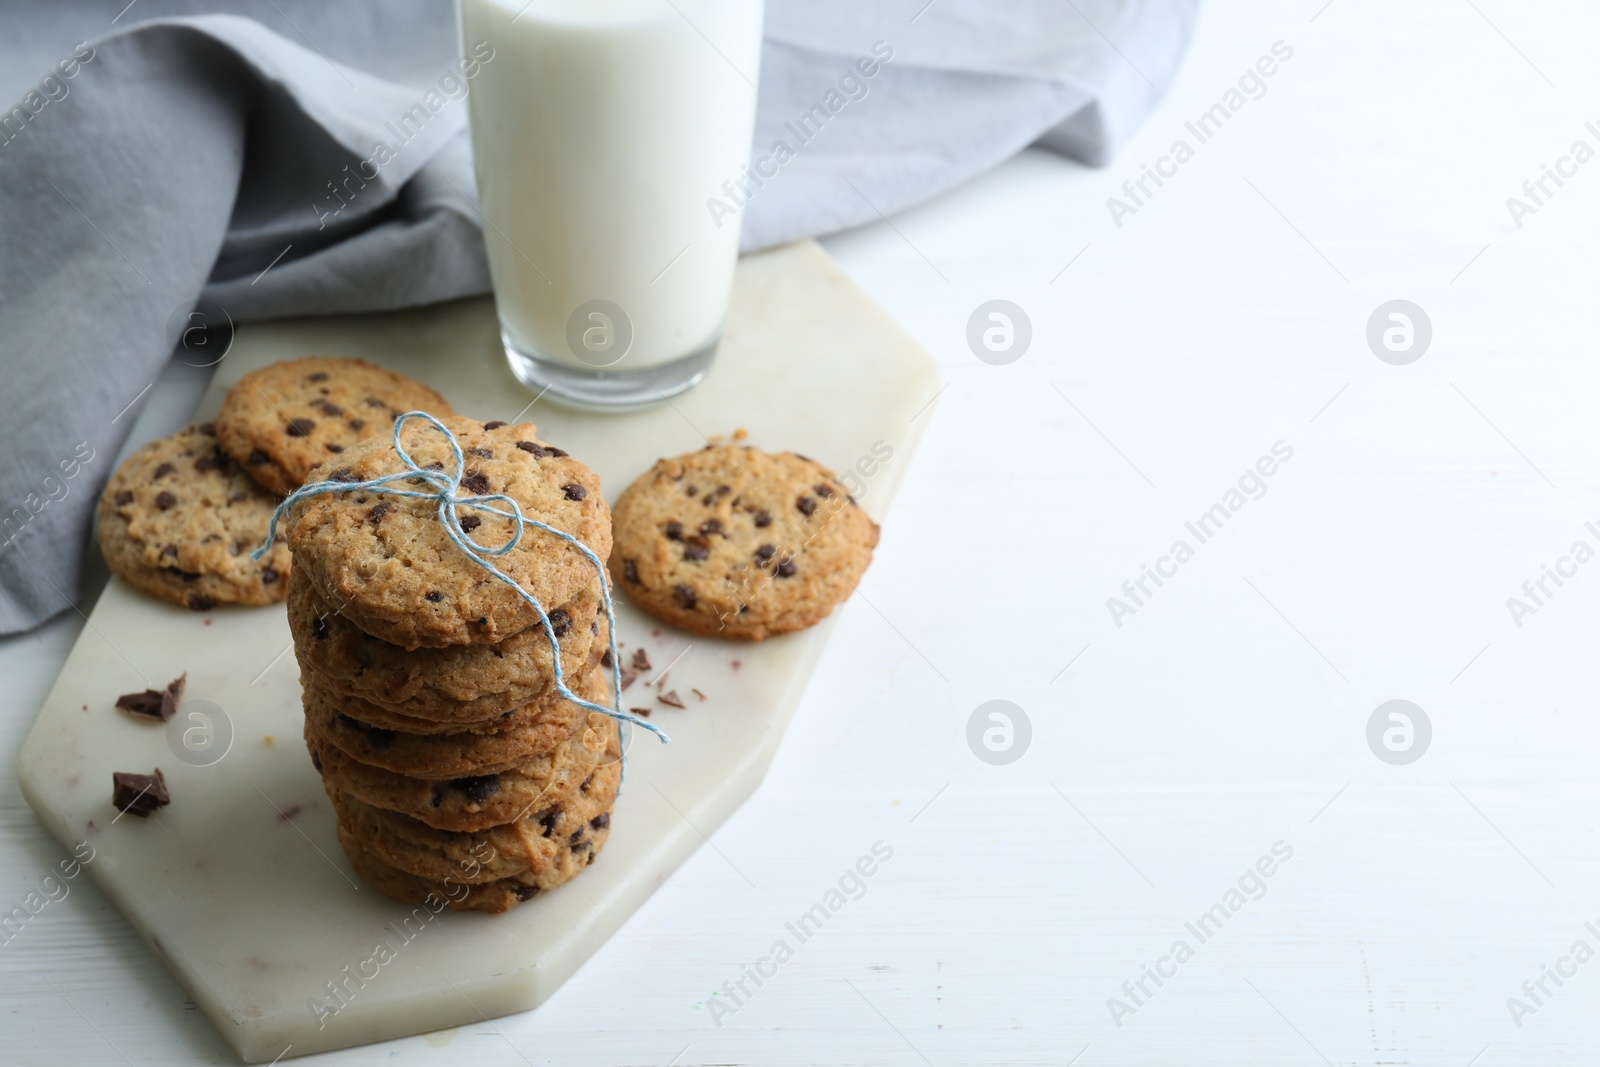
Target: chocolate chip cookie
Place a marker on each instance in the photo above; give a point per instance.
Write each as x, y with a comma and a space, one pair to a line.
531, 845
486, 748
494, 897
282, 420
478, 801
179, 520
458, 684
731, 541
390, 565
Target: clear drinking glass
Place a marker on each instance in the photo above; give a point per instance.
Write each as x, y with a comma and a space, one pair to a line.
611, 138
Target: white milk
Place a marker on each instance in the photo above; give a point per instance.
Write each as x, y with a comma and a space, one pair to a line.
601, 128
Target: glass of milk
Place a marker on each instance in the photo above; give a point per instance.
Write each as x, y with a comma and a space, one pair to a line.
607, 135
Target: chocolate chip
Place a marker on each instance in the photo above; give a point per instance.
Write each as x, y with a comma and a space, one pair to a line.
124, 498
319, 629
601, 821
433, 597
320, 376
209, 462
493, 425
576, 837
548, 819
525, 892
824, 490
470, 522
554, 451
379, 510
561, 622
379, 738
475, 482
533, 449
574, 491
357, 424
201, 602
685, 594
482, 453
694, 551
139, 794
786, 568
163, 470
374, 402
258, 457
766, 552
806, 504
165, 500
344, 474
763, 519
269, 576
630, 571
690, 491
299, 427
327, 407
673, 531
479, 788
722, 491
208, 428
316, 761
170, 552
605, 659
335, 449
711, 526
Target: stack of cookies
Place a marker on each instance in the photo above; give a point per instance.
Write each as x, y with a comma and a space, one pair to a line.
455, 767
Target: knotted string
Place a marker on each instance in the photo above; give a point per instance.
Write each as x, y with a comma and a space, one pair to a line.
446, 486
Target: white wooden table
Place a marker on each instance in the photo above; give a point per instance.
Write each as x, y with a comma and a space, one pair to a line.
1229, 711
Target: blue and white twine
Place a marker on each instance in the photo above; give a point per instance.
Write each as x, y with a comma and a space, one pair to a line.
447, 486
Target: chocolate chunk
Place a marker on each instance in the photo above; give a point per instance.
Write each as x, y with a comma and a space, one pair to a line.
630, 571
433, 597
786, 568
605, 659
481, 453
378, 738
258, 457
525, 892
170, 552
299, 427
584, 788
475, 482
601, 821
479, 788
357, 424
710, 526
766, 552
319, 629
335, 449
641, 660
576, 837
269, 576
316, 761
343, 474
327, 407
532, 448
493, 424
722, 491
806, 504
690, 490
548, 819
561, 622
201, 602
554, 451
574, 491
693, 551
145, 705
671, 699
139, 794
379, 510
685, 595
763, 519
823, 490
470, 522
374, 402
208, 462
672, 531
165, 500
163, 470
124, 498
594, 628
320, 376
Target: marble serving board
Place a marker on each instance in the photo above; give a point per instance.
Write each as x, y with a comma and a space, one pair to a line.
240, 886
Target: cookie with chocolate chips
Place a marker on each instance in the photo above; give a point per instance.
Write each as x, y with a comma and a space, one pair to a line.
493, 897
284, 419
731, 541
450, 751
459, 684
179, 519
390, 565
531, 846
474, 801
